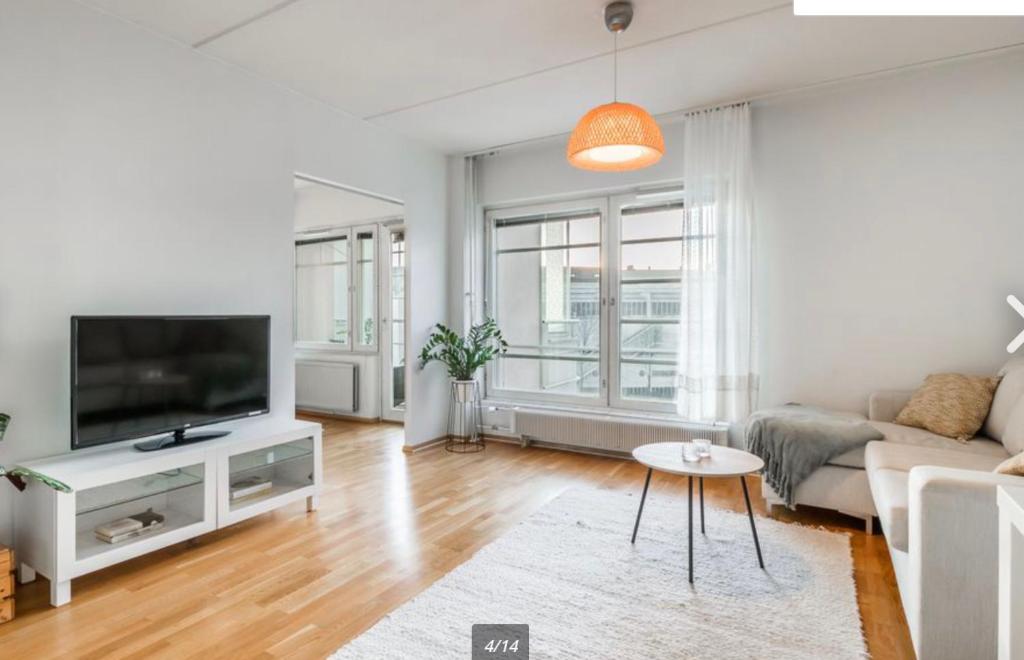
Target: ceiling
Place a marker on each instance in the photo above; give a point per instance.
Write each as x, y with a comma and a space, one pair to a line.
465, 75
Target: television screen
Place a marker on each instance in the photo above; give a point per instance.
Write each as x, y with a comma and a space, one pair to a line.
138, 376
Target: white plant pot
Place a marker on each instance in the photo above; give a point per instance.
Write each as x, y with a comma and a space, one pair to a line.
465, 391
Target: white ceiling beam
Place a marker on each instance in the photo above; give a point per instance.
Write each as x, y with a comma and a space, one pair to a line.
243, 23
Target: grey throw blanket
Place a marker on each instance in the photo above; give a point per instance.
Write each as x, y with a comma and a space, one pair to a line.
795, 440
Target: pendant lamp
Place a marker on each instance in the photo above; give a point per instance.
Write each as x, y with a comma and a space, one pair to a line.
616, 136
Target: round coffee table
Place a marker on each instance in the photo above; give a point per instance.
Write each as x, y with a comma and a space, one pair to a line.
723, 462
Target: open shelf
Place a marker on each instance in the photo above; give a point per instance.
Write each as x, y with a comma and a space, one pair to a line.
279, 488
124, 492
287, 466
176, 493
252, 466
264, 458
88, 546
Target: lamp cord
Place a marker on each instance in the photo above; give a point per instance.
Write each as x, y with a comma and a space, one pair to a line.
615, 68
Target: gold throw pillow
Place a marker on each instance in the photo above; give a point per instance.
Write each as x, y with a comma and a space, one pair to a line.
952, 405
1013, 465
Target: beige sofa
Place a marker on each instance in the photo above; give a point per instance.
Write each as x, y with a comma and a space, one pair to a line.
937, 504
936, 499
842, 484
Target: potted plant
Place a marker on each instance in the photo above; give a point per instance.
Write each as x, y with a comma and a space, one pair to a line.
463, 356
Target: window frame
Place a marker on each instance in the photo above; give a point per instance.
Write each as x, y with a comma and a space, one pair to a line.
388, 321
610, 210
618, 203
350, 347
491, 216
355, 281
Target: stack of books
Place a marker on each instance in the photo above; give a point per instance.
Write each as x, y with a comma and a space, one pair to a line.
130, 527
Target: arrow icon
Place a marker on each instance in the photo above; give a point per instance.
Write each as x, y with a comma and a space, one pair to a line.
1018, 307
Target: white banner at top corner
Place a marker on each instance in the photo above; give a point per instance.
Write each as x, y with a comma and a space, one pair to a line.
908, 7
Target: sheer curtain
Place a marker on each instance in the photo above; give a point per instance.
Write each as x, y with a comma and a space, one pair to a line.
716, 360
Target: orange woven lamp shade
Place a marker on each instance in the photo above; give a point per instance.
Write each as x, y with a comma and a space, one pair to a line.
615, 137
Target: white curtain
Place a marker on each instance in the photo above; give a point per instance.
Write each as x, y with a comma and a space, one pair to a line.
716, 360
472, 246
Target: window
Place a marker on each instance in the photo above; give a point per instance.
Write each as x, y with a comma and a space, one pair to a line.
321, 290
334, 282
546, 278
649, 293
590, 297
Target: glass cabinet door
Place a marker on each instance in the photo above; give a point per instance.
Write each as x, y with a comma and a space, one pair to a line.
119, 514
268, 472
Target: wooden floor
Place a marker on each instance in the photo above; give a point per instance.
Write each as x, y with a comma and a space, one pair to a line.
295, 585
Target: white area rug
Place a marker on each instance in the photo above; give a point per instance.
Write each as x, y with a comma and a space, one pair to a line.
570, 572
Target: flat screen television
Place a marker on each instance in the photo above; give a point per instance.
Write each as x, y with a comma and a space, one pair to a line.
137, 376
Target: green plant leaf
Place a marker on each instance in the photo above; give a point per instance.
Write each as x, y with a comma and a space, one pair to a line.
464, 356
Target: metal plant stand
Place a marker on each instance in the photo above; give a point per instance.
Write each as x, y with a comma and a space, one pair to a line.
464, 418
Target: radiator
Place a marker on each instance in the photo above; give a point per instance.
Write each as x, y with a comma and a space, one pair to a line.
608, 433
327, 386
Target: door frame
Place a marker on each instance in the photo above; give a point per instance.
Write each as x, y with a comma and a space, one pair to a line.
387, 411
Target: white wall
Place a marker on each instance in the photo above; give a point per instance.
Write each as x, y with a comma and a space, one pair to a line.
889, 225
890, 230
139, 177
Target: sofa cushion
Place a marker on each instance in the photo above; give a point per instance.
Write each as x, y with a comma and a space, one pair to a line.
889, 490
888, 466
850, 459
1013, 434
1008, 394
1013, 465
908, 435
882, 455
953, 405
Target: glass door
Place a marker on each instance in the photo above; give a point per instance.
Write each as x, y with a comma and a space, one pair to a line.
393, 315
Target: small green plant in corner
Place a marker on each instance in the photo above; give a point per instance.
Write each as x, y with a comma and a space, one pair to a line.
463, 356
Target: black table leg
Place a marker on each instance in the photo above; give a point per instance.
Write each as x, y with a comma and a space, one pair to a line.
701, 505
643, 498
690, 521
753, 528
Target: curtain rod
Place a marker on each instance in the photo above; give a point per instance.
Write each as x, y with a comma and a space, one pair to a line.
675, 115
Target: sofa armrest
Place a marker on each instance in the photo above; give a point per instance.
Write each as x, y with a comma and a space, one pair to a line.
953, 569
884, 405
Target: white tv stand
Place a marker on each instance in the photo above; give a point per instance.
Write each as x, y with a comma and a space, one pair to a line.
190, 485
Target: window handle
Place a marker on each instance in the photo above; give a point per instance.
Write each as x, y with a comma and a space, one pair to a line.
613, 301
